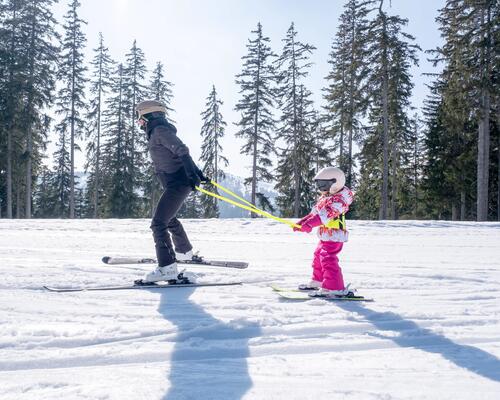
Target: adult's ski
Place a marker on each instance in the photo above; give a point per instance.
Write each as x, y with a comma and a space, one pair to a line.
196, 260
138, 286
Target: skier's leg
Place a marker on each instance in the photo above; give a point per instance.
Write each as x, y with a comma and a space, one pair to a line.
332, 273
316, 264
179, 236
170, 202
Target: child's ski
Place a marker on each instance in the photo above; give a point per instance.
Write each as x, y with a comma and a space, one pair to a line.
277, 288
196, 260
297, 294
135, 286
305, 296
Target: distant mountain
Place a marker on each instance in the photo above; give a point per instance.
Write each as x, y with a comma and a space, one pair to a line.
236, 185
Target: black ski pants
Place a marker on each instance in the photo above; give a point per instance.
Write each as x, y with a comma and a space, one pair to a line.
165, 224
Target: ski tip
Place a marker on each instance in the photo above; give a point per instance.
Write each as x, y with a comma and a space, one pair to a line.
106, 259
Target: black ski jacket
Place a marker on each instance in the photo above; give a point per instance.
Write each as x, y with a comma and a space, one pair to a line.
171, 160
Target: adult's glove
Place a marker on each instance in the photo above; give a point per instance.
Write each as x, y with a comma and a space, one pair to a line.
191, 171
203, 179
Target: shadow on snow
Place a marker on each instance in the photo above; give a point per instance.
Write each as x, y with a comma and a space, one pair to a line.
411, 335
209, 357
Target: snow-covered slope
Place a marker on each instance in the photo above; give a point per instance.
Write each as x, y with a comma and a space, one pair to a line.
432, 333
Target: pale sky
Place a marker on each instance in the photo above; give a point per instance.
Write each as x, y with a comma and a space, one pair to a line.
201, 43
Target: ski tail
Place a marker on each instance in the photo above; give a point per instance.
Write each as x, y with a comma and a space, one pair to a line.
195, 261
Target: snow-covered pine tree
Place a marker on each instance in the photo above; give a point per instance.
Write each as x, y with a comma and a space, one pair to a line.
135, 90
100, 84
256, 125
346, 95
159, 89
292, 65
37, 60
212, 132
71, 95
391, 55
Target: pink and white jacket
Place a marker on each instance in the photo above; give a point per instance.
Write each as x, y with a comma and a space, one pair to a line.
328, 208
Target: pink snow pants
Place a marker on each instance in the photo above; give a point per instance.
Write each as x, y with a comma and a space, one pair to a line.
326, 267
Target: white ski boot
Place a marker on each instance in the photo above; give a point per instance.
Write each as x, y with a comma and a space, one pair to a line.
187, 256
312, 285
322, 292
165, 273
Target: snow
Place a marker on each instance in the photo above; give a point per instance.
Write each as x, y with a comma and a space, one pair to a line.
432, 333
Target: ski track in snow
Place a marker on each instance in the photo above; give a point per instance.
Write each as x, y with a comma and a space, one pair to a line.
432, 333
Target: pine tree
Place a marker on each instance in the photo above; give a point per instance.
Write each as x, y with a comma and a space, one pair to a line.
299, 155
119, 200
191, 208
346, 92
466, 84
161, 90
392, 53
11, 87
38, 58
212, 132
292, 65
71, 96
415, 162
257, 99
100, 83
59, 185
134, 72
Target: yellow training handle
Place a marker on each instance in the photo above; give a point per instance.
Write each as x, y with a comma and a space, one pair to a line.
233, 194
257, 210
248, 208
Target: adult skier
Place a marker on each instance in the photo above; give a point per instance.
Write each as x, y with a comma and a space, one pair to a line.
178, 176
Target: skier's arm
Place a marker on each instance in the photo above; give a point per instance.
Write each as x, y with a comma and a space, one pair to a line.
176, 146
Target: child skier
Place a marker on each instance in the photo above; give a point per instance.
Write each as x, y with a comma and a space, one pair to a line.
329, 215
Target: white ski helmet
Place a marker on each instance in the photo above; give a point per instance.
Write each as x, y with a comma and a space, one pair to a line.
153, 107
330, 179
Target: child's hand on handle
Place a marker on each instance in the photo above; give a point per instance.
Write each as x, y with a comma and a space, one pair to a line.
307, 223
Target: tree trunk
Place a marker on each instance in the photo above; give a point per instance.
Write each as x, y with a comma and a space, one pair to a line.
72, 157
29, 166
11, 118
9, 173
454, 212
98, 150
484, 129
29, 118
18, 201
394, 188
296, 179
463, 210
351, 100
255, 136
498, 177
385, 133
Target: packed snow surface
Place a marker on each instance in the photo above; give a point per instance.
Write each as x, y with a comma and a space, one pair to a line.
433, 331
